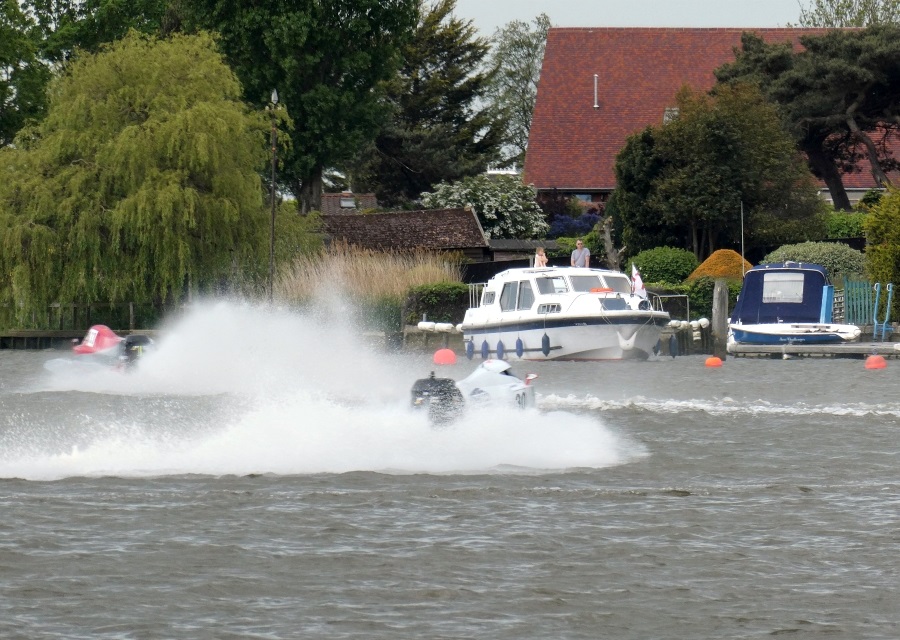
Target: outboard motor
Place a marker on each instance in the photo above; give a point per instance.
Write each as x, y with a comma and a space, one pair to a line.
440, 397
133, 347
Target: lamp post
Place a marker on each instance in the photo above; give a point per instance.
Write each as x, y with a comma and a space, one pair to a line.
271, 282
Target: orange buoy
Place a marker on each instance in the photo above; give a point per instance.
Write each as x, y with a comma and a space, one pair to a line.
876, 362
714, 361
444, 356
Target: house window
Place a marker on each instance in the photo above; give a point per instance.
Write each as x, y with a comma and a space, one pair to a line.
671, 113
584, 197
348, 201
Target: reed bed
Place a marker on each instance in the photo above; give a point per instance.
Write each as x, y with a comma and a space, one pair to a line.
364, 274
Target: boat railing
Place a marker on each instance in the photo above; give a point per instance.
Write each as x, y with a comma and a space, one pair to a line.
475, 290
657, 301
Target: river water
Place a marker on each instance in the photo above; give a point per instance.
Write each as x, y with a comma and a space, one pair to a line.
260, 476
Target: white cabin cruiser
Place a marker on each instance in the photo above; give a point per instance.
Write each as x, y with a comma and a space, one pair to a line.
562, 313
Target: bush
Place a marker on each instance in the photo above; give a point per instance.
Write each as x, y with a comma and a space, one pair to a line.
665, 264
837, 258
441, 302
840, 224
883, 251
723, 263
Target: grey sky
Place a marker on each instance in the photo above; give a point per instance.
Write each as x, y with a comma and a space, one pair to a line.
488, 15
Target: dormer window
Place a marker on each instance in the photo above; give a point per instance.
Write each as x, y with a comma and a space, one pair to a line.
671, 113
347, 200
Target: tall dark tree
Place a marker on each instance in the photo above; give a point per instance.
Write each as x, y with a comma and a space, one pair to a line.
328, 60
516, 60
829, 153
70, 25
838, 97
23, 75
442, 129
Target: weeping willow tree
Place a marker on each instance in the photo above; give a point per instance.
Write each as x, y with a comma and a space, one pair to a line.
140, 185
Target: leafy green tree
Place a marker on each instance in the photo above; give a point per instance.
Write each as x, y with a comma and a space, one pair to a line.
721, 154
833, 14
882, 227
441, 128
141, 183
22, 74
517, 58
505, 206
328, 60
70, 25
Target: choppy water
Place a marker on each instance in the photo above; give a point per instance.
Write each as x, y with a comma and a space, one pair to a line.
260, 476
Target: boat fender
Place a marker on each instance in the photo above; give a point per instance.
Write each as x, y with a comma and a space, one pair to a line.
485, 350
520, 347
545, 345
470, 349
673, 345
501, 350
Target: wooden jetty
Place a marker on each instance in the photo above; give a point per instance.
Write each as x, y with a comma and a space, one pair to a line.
842, 350
48, 339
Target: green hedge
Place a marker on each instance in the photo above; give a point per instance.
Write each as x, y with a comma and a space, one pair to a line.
665, 264
441, 302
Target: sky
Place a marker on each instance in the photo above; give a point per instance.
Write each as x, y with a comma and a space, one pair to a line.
488, 15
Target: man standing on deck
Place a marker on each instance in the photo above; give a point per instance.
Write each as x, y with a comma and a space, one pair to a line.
581, 257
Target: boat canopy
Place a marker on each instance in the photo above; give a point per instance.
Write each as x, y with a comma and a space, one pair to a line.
782, 292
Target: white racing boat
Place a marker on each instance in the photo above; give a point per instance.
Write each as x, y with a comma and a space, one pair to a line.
491, 384
562, 313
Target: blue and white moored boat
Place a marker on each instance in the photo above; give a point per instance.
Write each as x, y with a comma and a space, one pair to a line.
562, 313
787, 303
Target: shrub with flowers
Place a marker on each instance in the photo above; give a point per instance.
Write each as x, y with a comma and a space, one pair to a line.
505, 206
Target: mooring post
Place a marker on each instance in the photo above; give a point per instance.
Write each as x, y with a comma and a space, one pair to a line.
720, 318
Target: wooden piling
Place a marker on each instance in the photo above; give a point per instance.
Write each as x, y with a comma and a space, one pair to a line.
720, 319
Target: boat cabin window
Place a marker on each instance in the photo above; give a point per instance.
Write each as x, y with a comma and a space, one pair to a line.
783, 287
585, 283
614, 304
619, 284
516, 295
555, 284
508, 296
549, 308
526, 295
487, 298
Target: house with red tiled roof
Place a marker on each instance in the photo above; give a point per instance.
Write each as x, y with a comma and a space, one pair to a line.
600, 85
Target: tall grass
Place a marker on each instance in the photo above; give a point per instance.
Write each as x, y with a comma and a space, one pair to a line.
363, 274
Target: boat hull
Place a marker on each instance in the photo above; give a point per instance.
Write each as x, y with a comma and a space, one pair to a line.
627, 337
793, 333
